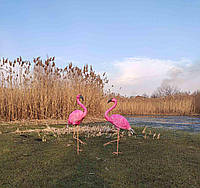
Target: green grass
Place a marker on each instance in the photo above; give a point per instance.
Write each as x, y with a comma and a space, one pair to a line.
172, 161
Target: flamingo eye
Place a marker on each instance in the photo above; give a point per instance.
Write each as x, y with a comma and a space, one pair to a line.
110, 100
81, 97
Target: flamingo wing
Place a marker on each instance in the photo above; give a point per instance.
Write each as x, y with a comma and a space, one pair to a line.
75, 117
120, 121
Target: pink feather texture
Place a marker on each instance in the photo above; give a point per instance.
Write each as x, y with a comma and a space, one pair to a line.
117, 120
76, 117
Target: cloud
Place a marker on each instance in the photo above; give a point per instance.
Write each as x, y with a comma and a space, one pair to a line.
186, 77
136, 76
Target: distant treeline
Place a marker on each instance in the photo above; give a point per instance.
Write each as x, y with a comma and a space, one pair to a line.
40, 90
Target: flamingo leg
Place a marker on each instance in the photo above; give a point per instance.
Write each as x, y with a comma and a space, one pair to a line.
74, 132
80, 140
116, 153
110, 142
77, 138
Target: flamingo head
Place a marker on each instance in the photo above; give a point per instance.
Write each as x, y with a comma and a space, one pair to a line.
80, 97
112, 100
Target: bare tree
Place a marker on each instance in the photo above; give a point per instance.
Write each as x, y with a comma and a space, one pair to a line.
165, 90
145, 95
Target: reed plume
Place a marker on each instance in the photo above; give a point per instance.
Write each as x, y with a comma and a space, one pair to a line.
41, 90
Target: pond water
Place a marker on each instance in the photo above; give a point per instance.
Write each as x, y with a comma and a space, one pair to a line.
186, 123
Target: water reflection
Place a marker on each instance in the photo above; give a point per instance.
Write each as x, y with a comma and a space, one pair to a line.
186, 123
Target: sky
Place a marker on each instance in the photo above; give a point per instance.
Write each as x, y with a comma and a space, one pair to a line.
140, 44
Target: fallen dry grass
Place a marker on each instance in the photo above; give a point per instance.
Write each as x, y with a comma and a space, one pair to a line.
86, 131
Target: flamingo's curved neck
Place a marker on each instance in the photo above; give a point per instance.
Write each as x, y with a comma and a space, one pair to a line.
82, 106
106, 113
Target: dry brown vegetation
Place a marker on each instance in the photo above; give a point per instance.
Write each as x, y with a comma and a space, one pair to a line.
40, 90
169, 105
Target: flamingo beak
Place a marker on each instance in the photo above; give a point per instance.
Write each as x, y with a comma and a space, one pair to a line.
133, 132
81, 97
110, 100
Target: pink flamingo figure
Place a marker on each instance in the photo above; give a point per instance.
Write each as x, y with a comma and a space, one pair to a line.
119, 122
75, 118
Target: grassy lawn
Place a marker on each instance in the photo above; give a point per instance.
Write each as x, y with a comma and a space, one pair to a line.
171, 161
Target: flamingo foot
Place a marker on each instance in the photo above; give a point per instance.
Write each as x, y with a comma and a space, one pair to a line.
110, 142
116, 153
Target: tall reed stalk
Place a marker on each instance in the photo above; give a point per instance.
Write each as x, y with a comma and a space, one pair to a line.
40, 90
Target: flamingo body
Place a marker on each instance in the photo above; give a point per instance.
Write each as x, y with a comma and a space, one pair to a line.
119, 122
75, 118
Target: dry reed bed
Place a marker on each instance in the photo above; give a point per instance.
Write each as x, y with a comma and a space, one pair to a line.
176, 105
39, 90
